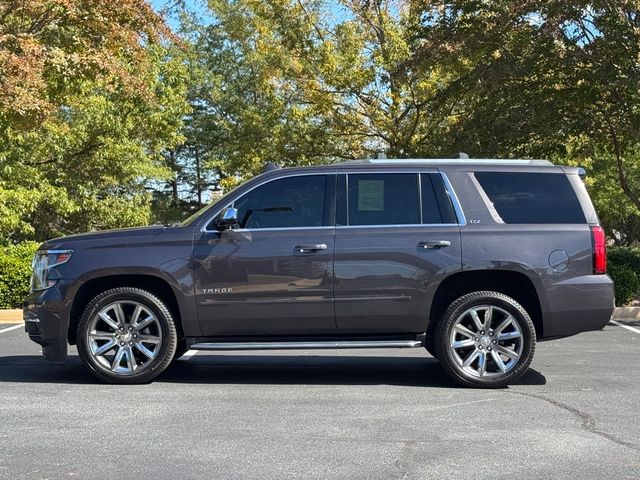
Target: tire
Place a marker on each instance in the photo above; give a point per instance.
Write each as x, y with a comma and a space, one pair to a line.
126, 335
480, 354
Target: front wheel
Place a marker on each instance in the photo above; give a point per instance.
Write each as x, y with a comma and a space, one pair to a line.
126, 335
485, 339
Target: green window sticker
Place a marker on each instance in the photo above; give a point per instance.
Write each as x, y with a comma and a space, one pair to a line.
371, 195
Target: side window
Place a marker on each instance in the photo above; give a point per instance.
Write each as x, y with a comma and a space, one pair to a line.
436, 203
521, 197
383, 199
284, 203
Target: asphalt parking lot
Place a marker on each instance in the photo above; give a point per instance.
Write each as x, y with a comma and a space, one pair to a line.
372, 414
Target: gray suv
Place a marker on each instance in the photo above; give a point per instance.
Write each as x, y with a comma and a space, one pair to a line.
475, 260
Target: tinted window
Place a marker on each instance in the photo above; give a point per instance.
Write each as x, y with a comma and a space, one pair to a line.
532, 197
383, 199
284, 203
436, 204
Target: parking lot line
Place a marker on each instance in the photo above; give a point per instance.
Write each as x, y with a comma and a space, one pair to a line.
11, 328
624, 326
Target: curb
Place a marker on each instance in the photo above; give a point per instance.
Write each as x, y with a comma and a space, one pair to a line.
626, 313
11, 316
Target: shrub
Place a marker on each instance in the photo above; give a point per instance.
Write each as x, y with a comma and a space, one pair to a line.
15, 270
624, 269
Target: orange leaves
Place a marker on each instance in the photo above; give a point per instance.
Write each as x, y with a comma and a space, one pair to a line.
22, 83
48, 46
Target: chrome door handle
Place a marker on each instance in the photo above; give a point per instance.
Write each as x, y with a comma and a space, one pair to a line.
432, 245
310, 247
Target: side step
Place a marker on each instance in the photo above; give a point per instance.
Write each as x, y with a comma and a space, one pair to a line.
307, 345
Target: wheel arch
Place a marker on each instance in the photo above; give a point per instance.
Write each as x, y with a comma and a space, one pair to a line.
145, 281
515, 284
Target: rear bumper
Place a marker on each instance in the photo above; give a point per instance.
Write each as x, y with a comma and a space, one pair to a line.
578, 304
46, 321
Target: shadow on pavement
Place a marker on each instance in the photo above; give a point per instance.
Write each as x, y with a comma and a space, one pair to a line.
258, 370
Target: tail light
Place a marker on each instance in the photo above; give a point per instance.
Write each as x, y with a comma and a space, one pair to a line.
599, 250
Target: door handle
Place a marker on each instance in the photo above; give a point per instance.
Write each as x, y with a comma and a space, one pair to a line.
434, 244
310, 247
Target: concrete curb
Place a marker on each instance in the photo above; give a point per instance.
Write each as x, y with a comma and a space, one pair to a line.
619, 314
11, 316
626, 313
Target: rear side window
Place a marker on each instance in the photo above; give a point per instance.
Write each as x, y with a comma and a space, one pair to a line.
383, 199
436, 203
532, 197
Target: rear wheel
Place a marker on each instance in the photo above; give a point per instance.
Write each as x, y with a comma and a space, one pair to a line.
485, 339
126, 335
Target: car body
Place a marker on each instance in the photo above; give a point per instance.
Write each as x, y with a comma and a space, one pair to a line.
359, 254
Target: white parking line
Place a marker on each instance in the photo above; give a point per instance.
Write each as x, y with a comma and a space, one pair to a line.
188, 354
633, 329
15, 327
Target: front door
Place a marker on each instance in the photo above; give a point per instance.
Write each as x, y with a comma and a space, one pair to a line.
274, 273
397, 237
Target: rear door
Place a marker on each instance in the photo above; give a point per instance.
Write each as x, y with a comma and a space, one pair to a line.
397, 236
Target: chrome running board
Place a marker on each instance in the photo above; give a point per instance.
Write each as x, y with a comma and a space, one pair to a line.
307, 345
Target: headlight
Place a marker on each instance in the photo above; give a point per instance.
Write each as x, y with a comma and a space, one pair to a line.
43, 262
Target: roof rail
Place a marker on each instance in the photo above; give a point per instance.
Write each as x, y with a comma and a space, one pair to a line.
451, 161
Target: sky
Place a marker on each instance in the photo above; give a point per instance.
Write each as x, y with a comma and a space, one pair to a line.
197, 5
337, 11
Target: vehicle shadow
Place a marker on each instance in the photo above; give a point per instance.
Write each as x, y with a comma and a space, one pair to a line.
259, 370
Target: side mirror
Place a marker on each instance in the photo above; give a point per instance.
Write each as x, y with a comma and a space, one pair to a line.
228, 219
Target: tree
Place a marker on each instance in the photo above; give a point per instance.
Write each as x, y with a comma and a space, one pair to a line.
556, 79
89, 97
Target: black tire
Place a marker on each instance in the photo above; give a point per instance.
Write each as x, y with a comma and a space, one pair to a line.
461, 310
164, 324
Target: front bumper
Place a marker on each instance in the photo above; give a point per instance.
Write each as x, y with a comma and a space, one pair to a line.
578, 304
46, 318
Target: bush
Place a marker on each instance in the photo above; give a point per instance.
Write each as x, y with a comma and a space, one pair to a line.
15, 271
624, 269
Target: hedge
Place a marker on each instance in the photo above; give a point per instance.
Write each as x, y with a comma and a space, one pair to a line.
624, 268
15, 270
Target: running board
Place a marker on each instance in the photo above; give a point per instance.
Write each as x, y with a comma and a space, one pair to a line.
307, 345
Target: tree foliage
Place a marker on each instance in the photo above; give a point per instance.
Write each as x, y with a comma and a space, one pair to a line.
300, 81
102, 106
90, 95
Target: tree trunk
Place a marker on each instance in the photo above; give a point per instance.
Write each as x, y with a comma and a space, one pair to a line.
173, 182
622, 178
198, 180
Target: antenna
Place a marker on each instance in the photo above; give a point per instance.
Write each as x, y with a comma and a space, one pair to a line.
462, 155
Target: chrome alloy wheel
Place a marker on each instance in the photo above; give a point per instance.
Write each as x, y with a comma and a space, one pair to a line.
486, 341
124, 337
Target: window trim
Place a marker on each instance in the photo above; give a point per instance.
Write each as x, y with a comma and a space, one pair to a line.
457, 206
495, 215
204, 228
462, 221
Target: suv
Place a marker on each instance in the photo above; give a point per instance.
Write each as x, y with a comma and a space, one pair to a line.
473, 259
